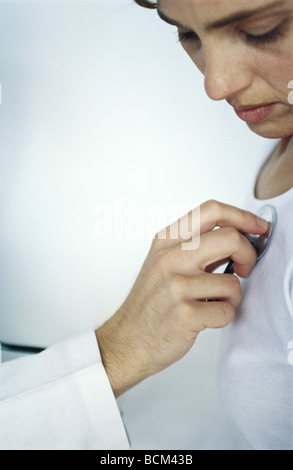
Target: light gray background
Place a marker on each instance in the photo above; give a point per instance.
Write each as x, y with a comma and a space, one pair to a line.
100, 102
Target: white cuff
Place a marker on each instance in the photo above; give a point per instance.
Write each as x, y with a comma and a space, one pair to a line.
60, 399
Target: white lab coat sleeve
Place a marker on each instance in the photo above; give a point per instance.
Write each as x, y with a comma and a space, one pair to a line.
60, 399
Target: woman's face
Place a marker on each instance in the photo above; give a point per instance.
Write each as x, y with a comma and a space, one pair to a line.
245, 51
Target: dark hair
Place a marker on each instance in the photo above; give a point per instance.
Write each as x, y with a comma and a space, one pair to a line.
146, 4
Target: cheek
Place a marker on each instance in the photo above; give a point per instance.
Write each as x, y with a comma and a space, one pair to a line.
277, 72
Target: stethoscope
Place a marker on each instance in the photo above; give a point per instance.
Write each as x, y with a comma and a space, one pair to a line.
261, 244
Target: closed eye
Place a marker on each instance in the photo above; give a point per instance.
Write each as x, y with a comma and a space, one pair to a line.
270, 37
257, 40
187, 36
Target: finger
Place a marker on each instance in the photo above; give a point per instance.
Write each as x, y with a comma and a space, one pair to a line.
215, 248
205, 218
221, 287
184, 229
226, 243
215, 214
208, 287
213, 315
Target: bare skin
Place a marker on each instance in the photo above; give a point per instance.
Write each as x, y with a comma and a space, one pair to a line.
167, 309
248, 61
276, 176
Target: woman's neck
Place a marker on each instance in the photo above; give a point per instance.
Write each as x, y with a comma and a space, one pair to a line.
276, 177
285, 145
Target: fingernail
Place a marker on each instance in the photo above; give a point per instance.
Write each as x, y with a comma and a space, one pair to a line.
262, 223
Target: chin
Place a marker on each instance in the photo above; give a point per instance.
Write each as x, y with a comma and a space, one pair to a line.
274, 130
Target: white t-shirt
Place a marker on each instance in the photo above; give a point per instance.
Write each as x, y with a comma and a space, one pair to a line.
256, 363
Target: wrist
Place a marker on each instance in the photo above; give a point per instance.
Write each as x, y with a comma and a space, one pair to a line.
119, 362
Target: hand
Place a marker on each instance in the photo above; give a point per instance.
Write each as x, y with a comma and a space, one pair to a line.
167, 307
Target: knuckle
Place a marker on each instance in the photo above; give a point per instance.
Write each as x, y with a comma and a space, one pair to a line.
234, 284
227, 313
214, 207
158, 240
232, 235
235, 290
155, 245
177, 288
162, 261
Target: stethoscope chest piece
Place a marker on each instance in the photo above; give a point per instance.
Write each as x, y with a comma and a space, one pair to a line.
261, 243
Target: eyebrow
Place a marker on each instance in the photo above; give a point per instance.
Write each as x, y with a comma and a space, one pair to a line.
235, 18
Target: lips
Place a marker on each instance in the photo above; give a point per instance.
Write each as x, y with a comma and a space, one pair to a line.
254, 113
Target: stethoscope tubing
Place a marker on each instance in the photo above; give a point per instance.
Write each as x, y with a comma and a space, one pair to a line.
15, 348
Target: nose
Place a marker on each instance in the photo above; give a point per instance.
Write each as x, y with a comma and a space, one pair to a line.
227, 72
